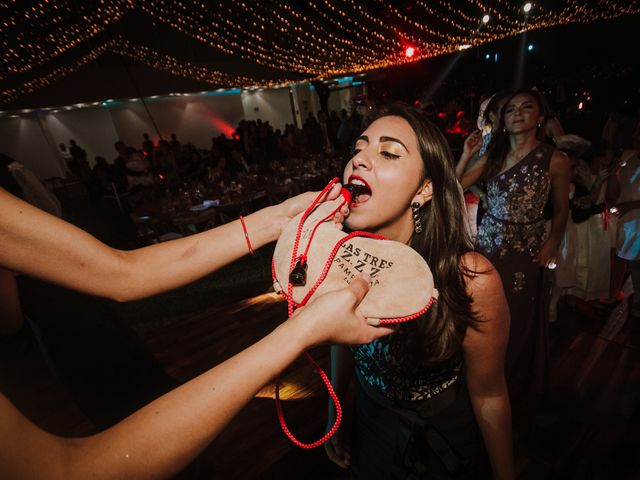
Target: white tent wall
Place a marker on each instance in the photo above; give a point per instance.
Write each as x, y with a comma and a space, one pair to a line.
23, 139
193, 118
32, 138
341, 99
272, 105
306, 101
90, 127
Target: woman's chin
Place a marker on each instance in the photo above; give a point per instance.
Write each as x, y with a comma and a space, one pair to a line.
352, 222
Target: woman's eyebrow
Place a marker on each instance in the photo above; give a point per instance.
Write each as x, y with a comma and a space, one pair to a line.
526, 102
391, 139
364, 138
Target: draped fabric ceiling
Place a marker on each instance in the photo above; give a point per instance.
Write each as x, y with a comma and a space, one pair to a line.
248, 44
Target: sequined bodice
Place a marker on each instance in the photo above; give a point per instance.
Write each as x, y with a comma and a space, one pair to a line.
519, 194
385, 366
513, 223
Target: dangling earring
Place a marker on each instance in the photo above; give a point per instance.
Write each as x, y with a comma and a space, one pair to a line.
539, 125
417, 222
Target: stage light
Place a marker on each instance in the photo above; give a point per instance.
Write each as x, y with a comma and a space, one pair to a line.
487, 56
495, 58
486, 19
580, 106
464, 47
530, 47
527, 7
409, 52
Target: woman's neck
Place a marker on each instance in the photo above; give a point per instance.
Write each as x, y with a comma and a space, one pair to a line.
400, 229
522, 144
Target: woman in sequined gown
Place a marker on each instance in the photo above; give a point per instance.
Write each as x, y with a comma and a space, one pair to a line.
521, 172
418, 390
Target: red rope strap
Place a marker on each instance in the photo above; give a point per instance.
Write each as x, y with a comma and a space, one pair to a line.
292, 305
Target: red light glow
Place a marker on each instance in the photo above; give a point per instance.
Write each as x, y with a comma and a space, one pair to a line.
409, 51
222, 126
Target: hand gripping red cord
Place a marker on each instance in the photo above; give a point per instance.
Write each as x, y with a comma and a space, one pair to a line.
292, 305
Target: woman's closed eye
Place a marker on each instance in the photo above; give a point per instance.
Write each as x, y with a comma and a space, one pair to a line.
389, 155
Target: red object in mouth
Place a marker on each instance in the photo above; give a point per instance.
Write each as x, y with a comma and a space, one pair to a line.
360, 193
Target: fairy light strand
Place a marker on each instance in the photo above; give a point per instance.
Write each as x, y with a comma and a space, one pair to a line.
321, 39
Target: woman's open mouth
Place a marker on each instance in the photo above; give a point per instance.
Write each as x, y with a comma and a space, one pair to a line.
359, 189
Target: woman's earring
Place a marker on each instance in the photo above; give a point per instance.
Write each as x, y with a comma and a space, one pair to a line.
539, 125
417, 222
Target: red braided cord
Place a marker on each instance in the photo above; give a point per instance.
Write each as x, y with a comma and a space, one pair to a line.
406, 318
296, 242
335, 399
303, 258
290, 308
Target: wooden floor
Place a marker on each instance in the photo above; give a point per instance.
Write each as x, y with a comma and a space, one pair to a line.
587, 427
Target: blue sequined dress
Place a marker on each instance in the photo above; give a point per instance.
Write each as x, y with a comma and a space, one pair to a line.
510, 236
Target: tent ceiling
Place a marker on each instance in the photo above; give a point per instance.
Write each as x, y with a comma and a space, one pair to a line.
64, 51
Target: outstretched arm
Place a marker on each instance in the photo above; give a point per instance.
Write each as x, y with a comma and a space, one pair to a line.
161, 438
484, 348
472, 145
46, 247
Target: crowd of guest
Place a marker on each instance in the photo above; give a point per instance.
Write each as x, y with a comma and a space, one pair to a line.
254, 148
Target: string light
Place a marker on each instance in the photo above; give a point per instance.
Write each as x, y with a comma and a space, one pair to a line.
321, 39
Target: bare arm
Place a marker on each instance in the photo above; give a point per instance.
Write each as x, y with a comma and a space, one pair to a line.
560, 179
484, 351
46, 247
471, 146
161, 438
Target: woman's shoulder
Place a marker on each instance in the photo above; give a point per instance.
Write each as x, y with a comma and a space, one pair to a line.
475, 263
484, 286
481, 276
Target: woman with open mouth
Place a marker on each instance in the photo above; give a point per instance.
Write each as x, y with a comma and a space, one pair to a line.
431, 399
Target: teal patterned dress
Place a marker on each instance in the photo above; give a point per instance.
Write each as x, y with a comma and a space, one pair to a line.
413, 421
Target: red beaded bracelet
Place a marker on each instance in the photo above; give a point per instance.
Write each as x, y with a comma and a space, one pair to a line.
246, 235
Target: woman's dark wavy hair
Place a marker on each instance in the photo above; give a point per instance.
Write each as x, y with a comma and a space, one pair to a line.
499, 146
443, 241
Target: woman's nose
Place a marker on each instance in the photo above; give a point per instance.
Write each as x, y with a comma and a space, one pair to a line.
361, 160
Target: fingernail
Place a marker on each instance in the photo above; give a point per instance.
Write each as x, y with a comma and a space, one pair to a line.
366, 277
374, 322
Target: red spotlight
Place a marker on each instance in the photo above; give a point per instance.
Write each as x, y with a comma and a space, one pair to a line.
409, 51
